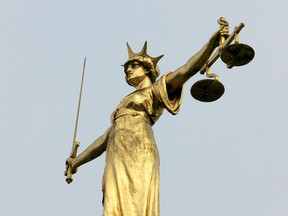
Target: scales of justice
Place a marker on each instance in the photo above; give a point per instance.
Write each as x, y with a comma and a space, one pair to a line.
237, 54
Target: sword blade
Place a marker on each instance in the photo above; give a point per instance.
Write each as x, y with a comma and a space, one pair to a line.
79, 105
75, 144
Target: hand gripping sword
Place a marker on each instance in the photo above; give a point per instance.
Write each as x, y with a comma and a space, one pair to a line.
75, 144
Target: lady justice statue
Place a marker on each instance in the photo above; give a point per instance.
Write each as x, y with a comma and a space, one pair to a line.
131, 177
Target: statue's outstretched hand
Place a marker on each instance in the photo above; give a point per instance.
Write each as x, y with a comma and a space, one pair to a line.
216, 37
222, 33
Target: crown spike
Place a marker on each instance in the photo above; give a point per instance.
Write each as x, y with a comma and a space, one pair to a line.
144, 49
130, 51
156, 59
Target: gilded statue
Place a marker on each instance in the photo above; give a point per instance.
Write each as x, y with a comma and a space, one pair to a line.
131, 176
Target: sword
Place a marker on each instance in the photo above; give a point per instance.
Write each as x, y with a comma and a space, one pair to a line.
75, 144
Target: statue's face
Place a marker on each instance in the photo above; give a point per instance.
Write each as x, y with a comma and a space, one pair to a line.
135, 73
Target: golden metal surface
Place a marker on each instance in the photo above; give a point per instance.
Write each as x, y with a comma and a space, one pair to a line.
131, 177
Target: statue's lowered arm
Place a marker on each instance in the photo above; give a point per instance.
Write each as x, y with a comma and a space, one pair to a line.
92, 152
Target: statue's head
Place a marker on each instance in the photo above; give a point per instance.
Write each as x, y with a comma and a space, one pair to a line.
150, 63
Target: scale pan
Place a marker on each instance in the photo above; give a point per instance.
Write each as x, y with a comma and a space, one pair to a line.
237, 55
207, 90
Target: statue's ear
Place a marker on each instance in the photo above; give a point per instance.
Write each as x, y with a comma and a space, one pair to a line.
147, 70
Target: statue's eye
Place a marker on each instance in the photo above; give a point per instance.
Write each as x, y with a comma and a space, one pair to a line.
135, 65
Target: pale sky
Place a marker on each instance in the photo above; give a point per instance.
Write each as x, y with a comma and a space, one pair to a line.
225, 158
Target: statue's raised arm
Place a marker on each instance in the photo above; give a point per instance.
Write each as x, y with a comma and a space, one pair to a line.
177, 79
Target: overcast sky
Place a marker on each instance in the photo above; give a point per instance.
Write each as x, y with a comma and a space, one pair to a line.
225, 158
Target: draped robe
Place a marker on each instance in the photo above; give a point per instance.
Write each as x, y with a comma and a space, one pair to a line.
131, 176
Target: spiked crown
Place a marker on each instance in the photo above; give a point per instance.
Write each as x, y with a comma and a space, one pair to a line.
145, 59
